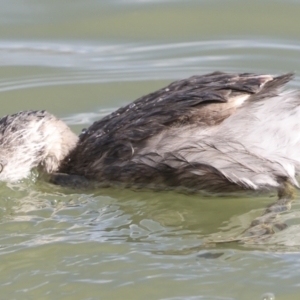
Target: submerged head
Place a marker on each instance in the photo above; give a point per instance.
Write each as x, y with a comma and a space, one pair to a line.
32, 139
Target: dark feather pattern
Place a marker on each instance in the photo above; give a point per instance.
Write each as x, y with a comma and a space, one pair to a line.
109, 150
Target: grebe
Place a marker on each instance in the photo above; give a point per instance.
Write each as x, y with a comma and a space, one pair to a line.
218, 132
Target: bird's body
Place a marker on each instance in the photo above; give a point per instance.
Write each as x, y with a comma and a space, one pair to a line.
217, 132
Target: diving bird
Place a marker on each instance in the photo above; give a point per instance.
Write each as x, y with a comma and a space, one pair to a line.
217, 132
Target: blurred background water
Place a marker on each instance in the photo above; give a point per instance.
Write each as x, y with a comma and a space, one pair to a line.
81, 60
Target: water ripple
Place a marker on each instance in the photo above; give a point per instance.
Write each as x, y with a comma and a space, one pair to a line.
101, 63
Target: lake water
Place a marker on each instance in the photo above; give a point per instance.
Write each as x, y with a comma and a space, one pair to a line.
81, 60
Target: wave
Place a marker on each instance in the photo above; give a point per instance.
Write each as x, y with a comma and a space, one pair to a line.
78, 63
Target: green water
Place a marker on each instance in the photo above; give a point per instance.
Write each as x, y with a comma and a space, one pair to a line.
81, 60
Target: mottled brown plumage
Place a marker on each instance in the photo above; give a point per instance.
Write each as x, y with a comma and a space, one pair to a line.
149, 142
217, 132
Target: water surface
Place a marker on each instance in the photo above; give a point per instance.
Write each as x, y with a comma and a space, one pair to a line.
81, 60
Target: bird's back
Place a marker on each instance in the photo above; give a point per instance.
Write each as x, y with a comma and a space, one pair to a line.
174, 137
